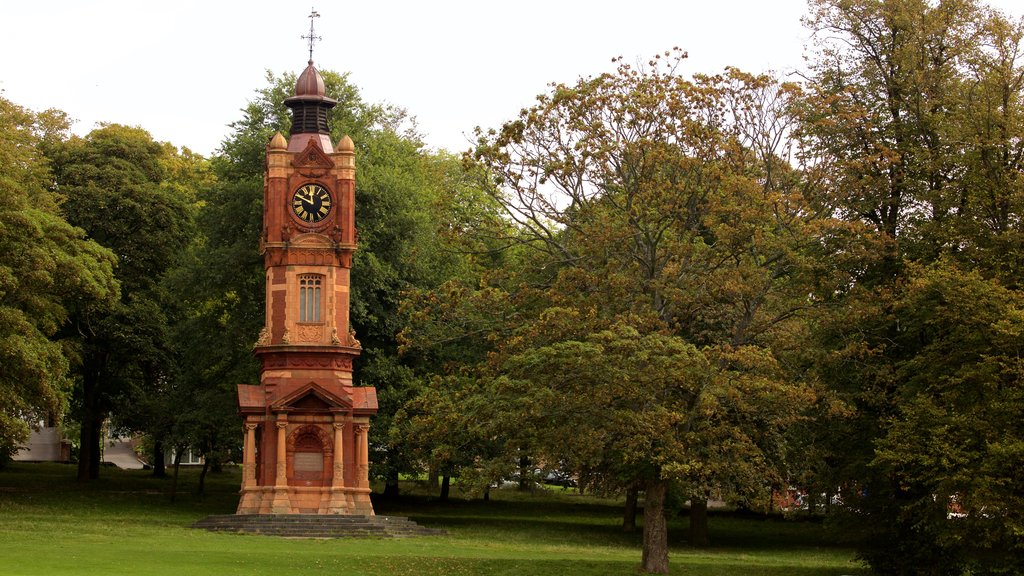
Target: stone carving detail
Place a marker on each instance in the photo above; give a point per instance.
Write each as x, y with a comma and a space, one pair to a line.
286, 338
275, 361
334, 336
264, 338
312, 158
323, 437
352, 340
310, 332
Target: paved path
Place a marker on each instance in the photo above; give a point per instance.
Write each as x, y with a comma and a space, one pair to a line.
121, 454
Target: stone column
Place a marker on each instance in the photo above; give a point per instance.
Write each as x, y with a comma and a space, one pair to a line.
337, 503
362, 455
338, 478
250, 500
281, 478
249, 456
281, 503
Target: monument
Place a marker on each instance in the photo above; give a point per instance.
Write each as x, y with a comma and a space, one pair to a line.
306, 425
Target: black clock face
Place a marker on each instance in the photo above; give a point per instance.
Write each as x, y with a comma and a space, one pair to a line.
311, 203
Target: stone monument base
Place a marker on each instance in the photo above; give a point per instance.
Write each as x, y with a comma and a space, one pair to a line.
305, 500
317, 526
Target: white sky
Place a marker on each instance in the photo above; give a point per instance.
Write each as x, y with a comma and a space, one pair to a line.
183, 69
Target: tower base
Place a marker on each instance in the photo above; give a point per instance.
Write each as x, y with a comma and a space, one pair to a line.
305, 500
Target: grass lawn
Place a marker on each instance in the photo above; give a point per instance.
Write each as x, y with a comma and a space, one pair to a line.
125, 523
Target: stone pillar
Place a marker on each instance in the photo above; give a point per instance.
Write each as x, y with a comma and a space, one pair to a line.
337, 504
249, 457
362, 455
249, 503
281, 478
281, 503
338, 477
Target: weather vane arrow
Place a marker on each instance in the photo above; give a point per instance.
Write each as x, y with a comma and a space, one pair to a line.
312, 37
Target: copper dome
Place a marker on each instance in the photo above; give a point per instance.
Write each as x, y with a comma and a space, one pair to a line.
310, 83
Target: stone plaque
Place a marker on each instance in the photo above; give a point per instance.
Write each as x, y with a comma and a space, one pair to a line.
309, 462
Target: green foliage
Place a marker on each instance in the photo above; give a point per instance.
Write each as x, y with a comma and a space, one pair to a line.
129, 194
673, 253
48, 271
956, 446
914, 121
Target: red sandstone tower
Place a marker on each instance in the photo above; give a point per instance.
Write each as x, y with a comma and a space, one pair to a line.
306, 426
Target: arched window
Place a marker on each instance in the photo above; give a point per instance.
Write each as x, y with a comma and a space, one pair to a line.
309, 298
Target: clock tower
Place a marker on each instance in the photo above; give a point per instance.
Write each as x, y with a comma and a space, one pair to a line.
306, 425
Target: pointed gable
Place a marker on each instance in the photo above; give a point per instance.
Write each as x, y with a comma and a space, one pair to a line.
312, 156
313, 397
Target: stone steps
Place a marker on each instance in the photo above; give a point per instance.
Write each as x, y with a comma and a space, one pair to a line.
317, 526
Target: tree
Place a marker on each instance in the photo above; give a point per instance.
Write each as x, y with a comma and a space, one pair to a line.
115, 184
915, 128
48, 271
664, 226
956, 444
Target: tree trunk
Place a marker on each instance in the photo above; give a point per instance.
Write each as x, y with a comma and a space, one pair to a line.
699, 535
629, 513
202, 476
177, 466
487, 493
446, 481
525, 478
89, 447
159, 468
433, 477
92, 417
391, 488
655, 554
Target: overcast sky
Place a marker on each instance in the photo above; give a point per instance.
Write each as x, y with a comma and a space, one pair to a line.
184, 69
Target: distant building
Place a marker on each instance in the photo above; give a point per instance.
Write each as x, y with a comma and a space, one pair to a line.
45, 444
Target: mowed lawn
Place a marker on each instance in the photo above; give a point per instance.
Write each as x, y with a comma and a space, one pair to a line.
125, 523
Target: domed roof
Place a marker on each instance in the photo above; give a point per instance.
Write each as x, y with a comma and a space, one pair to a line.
278, 142
310, 83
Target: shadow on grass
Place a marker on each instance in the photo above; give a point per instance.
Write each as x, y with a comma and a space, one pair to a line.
576, 567
602, 523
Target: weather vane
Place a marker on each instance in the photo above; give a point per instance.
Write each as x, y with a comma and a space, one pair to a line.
312, 33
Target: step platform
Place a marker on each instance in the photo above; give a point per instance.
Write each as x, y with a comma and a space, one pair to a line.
317, 526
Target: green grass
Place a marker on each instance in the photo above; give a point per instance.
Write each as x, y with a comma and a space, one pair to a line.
125, 524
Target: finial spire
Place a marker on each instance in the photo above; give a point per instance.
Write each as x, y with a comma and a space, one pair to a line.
312, 33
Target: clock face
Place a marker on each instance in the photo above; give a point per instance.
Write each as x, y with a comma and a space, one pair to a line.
311, 203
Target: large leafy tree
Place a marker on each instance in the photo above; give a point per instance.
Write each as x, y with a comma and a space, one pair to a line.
49, 271
915, 126
665, 228
116, 182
